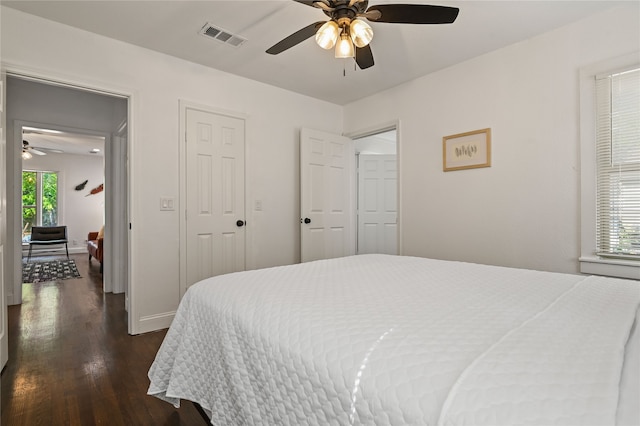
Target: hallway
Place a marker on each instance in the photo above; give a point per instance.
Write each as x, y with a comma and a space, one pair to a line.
71, 361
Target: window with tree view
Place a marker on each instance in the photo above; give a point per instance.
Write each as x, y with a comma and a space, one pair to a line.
39, 201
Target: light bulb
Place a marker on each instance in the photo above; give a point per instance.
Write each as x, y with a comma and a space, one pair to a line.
26, 155
361, 33
327, 35
344, 48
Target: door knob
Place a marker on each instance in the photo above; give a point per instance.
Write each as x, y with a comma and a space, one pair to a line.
240, 223
307, 220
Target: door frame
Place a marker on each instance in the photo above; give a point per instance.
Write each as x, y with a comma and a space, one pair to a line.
48, 77
183, 106
370, 131
4, 326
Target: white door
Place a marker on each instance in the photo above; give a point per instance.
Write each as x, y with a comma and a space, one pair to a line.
215, 225
326, 188
4, 343
377, 204
118, 267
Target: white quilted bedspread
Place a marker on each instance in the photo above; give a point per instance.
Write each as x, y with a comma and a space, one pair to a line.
389, 340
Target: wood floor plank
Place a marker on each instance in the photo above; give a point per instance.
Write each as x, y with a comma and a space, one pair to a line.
71, 361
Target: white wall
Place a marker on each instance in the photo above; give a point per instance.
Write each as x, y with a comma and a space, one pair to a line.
156, 83
523, 211
80, 213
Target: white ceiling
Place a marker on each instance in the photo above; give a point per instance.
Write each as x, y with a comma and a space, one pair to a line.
401, 52
54, 142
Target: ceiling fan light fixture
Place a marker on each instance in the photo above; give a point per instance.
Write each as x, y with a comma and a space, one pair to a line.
327, 35
361, 33
26, 155
344, 47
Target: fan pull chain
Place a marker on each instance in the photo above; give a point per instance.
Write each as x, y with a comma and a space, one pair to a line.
344, 68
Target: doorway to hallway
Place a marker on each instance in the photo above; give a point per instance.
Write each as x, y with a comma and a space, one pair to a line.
52, 115
377, 189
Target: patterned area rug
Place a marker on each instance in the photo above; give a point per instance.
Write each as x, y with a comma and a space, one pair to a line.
36, 272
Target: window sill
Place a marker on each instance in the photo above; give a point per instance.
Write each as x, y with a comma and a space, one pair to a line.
620, 268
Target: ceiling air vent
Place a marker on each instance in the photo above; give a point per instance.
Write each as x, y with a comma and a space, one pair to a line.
223, 36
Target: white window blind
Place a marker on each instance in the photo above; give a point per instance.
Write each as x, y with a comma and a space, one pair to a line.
618, 164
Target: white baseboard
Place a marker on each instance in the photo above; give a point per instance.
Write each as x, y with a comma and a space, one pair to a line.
155, 322
10, 301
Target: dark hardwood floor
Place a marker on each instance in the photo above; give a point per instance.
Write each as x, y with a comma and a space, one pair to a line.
71, 361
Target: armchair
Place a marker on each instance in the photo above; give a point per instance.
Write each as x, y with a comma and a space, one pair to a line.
94, 246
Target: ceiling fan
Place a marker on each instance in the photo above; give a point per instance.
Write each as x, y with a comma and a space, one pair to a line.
351, 35
28, 149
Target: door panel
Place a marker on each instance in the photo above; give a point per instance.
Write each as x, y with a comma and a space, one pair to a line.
204, 181
337, 180
229, 251
337, 238
326, 191
215, 195
204, 253
377, 204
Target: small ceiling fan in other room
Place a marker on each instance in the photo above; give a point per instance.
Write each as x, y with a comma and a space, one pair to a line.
351, 35
28, 149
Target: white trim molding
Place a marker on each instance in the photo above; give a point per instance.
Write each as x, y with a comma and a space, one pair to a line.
610, 267
156, 322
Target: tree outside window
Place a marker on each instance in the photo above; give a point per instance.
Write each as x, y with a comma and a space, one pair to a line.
39, 201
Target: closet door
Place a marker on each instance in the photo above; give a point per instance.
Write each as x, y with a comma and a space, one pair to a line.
215, 217
377, 204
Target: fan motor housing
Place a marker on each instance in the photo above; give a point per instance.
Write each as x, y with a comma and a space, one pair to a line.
341, 10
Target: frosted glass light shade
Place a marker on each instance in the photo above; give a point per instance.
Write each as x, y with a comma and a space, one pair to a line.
327, 35
344, 48
26, 155
361, 33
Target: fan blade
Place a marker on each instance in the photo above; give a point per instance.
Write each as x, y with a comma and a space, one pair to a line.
412, 14
364, 57
307, 2
323, 6
360, 6
37, 152
320, 4
295, 38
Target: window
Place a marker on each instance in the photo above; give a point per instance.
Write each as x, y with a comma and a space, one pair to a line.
39, 201
618, 164
610, 167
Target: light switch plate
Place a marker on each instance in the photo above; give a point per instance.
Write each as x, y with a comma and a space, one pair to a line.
167, 204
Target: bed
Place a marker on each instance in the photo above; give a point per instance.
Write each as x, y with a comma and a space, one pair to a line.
399, 340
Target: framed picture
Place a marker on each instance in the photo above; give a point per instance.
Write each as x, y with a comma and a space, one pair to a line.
470, 150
